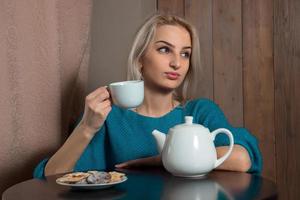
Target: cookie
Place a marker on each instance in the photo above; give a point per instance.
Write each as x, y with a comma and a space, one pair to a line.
98, 177
116, 176
73, 177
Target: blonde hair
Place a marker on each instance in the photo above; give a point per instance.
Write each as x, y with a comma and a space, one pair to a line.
145, 35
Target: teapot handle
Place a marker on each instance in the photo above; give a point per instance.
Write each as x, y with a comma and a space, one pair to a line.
229, 134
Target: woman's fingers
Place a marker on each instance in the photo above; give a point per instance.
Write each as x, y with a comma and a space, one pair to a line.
97, 108
99, 94
101, 105
150, 161
98, 100
103, 108
128, 164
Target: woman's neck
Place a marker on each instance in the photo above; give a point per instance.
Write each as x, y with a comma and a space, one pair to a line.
156, 104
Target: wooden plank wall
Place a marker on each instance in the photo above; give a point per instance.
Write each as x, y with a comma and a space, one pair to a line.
227, 54
251, 60
259, 77
287, 96
200, 14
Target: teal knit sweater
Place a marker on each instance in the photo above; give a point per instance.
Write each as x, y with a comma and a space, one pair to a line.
126, 135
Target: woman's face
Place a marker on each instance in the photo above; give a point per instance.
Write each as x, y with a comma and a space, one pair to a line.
166, 60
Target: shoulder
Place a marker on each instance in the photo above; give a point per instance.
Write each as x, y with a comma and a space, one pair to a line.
204, 110
201, 103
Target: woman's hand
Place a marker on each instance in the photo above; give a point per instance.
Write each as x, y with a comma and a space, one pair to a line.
153, 161
97, 108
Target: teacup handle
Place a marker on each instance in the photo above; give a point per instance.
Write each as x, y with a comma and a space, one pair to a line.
229, 134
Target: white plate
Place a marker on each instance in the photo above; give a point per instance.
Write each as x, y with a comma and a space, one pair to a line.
91, 186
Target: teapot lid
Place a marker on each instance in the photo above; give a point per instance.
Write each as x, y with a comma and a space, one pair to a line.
188, 119
189, 124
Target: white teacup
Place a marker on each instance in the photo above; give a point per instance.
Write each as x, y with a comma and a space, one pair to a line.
127, 94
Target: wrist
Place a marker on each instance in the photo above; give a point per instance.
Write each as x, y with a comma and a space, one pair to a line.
87, 131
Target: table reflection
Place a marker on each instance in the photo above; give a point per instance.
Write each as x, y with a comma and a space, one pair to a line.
201, 189
216, 185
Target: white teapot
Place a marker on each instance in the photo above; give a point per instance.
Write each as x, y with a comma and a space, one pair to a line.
188, 150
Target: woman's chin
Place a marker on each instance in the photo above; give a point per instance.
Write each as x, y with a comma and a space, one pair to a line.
167, 86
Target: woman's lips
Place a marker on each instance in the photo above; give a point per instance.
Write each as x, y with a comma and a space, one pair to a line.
172, 75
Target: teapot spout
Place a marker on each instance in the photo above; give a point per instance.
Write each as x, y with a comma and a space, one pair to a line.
160, 139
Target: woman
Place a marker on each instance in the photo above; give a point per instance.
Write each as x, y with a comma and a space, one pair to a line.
165, 54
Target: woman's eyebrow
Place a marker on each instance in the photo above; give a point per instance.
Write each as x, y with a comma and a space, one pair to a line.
171, 45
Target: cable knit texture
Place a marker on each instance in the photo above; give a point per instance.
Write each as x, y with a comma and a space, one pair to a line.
44, 51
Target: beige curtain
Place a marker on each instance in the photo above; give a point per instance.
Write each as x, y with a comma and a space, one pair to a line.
44, 54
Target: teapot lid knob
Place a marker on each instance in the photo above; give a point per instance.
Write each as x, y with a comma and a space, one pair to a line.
188, 119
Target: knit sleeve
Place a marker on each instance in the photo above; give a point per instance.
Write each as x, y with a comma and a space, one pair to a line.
39, 169
210, 115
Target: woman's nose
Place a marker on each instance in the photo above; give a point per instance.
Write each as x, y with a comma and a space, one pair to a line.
175, 62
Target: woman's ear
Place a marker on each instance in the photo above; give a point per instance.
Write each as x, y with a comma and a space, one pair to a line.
140, 68
141, 72
140, 65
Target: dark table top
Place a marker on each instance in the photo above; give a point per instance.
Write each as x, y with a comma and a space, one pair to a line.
153, 184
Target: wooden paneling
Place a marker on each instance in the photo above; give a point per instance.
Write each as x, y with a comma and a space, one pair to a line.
199, 12
171, 7
287, 96
259, 77
227, 52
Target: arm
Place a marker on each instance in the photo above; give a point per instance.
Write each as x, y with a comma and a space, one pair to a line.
238, 160
66, 157
97, 107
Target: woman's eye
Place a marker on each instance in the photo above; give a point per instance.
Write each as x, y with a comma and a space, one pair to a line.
164, 50
186, 54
